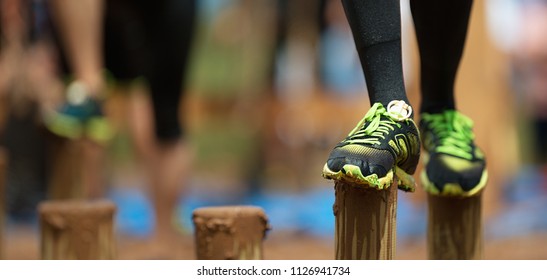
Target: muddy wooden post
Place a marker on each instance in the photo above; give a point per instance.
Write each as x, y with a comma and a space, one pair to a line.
76, 171
3, 168
77, 230
365, 221
65, 179
454, 229
229, 232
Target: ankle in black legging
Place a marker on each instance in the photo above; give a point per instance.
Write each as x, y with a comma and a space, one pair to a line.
376, 28
441, 28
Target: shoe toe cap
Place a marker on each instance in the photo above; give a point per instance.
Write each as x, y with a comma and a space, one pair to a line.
366, 167
441, 172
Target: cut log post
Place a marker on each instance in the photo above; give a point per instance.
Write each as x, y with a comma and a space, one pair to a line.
65, 178
77, 230
3, 168
365, 221
77, 169
454, 228
230, 232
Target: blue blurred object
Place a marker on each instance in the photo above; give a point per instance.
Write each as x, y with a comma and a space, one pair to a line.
316, 215
135, 213
307, 212
411, 219
526, 202
519, 220
528, 184
201, 198
282, 209
310, 211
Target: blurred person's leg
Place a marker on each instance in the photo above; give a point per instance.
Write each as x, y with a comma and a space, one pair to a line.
529, 65
22, 142
79, 24
152, 40
26, 57
172, 37
455, 166
386, 141
79, 28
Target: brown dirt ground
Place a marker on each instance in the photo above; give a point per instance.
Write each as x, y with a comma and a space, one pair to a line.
22, 243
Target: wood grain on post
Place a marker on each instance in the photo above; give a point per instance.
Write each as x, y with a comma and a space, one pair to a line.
230, 232
65, 178
77, 230
77, 170
365, 222
3, 168
454, 229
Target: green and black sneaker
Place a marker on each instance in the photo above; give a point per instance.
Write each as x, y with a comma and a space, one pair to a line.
81, 115
384, 143
454, 166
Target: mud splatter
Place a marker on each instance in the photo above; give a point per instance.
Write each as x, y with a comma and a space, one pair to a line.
365, 222
454, 228
77, 230
230, 232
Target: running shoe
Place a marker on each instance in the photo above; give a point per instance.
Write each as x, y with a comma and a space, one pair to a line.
386, 142
81, 115
454, 166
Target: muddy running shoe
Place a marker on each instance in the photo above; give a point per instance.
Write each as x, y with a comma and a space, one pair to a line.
454, 166
81, 115
384, 143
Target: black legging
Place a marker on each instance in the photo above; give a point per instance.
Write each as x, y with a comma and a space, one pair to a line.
152, 39
441, 28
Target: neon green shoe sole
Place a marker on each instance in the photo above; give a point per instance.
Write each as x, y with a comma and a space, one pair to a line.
352, 174
452, 189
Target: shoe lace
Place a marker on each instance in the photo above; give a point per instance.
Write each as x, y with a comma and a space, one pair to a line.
453, 131
372, 128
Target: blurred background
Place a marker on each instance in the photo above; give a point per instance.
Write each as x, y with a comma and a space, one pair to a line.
272, 86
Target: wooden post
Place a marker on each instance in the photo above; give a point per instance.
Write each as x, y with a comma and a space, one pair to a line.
77, 169
454, 228
229, 232
3, 167
65, 179
365, 222
77, 230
